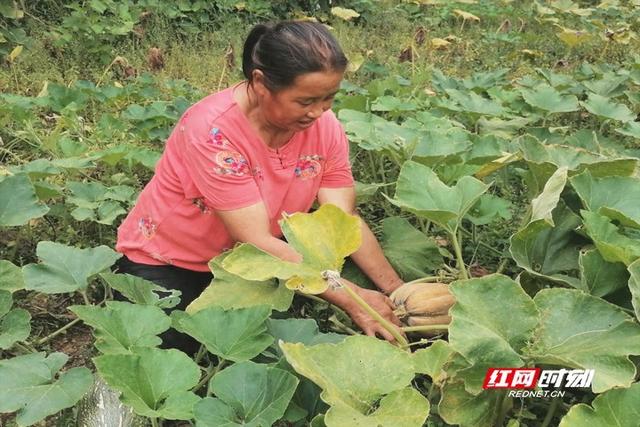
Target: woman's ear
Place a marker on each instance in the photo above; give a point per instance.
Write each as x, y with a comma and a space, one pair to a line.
258, 83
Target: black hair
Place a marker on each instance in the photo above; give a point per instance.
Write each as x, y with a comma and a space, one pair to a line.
288, 49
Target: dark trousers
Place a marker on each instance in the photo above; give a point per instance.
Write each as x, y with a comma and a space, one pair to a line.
190, 283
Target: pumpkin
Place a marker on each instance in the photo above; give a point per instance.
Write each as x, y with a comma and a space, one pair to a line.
423, 304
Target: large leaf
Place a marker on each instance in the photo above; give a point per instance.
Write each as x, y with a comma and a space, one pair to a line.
14, 324
617, 197
459, 407
620, 408
441, 145
230, 291
18, 201
420, 191
66, 269
141, 291
599, 277
549, 99
585, 332
634, 287
562, 327
488, 209
473, 103
612, 244
236, 335
400, 408
431, 360
349, 372
411, 253
324, 238
604, 107
10, 276
28, 385
247, 394
303, 331
550, 251
485, 335
121, 326
153, 382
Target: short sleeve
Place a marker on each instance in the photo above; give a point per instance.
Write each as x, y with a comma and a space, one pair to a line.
219, 169
337, 170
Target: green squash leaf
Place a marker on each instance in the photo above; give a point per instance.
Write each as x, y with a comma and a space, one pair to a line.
459, 407
349, 371
121, 326
599, 277
400, 408
230, 291
634, 287
549, 99
66, 269
617, 197
550, 252
431, 360
419, 190
411, 253
10, 276
28, 385
236, 335
612, 244
15, 325
603, 107
324, 238
18, 201
485, 335
141, 291
247, 394
153, 382
619, 407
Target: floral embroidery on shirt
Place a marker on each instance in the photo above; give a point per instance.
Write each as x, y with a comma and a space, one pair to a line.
308, 166
231, 162
147, 227
257, 172
216, 138
200, 204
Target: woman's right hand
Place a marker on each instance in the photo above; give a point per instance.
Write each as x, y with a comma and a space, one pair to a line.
380, 303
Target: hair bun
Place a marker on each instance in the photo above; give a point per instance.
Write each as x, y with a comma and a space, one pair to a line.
256, 33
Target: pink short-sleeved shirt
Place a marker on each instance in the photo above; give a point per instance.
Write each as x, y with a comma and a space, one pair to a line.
213, 160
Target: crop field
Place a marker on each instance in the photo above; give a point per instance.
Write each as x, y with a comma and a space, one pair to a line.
496, 148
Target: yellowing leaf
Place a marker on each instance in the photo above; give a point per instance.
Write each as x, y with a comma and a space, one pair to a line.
344, 13
572, 37
355, 62
466, 15
437, 43
15, 53
453, 39
323, 238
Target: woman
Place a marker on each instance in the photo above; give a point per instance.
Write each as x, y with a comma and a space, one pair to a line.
239, 158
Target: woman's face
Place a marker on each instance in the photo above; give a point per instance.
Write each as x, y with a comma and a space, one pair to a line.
296, 107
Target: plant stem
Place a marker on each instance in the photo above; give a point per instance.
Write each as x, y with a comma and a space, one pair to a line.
25, 347
426, 279
85, 297
425, 328
209, 375
57, 332
551, 412
371, 312
458, 251
333, 319
502, 409
154, 422
200, 354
